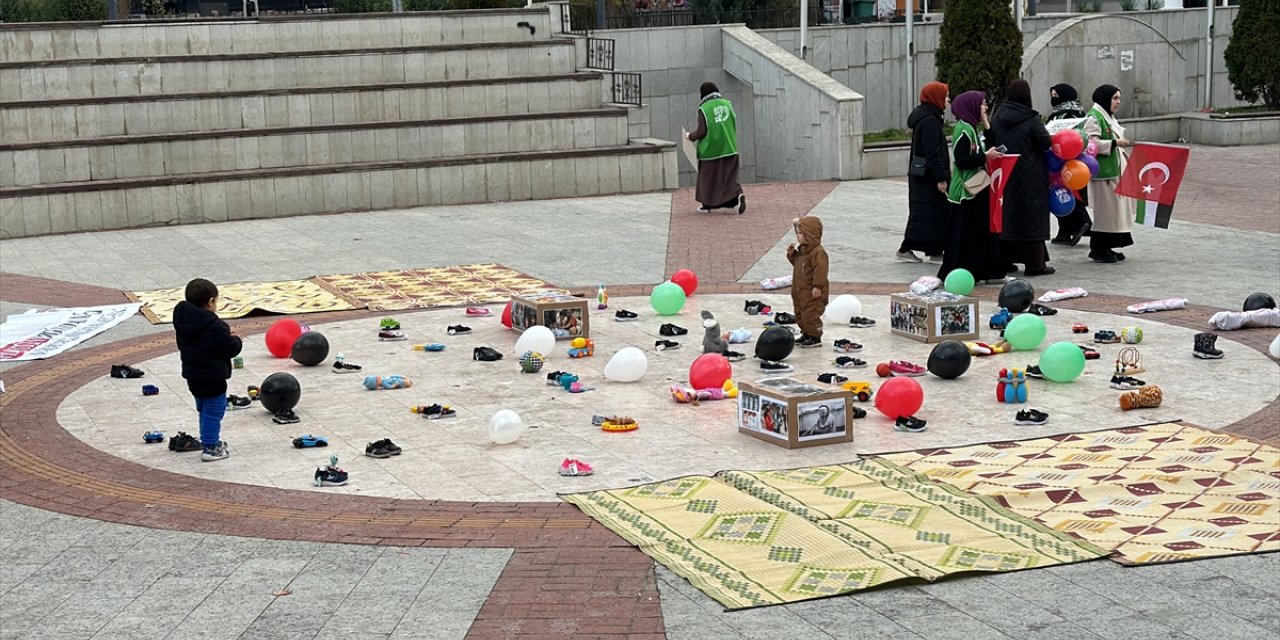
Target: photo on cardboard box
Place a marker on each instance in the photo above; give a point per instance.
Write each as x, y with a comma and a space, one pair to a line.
564, 323
821, 419
956, 320
910, 318
762, 415
523, 316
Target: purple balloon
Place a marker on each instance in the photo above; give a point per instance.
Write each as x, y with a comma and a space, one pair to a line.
1061, 202
1091, 162
1053, 162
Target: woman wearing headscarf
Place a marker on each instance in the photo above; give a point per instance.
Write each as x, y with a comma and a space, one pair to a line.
927, 191
717, 146
1112, 214
970, 243
1073, 226
1026, 192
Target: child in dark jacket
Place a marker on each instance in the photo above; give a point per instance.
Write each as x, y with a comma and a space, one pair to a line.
207, 346
809, 285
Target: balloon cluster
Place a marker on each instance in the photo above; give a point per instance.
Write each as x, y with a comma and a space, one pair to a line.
1072, 161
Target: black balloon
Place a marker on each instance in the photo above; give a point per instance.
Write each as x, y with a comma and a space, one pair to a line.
280, 391
1016, 295
1259, 301
310, 349
775, 344
949, 360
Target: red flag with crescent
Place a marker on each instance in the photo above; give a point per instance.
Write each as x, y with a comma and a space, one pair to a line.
1152, 177
999, 170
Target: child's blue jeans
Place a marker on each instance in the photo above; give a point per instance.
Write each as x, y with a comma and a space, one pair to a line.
211, 412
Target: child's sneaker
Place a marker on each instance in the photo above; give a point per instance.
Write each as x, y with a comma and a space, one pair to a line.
904, 368
752, 307
734, 356
850, 362
784, 318
457, 329
910, 424
125, 371
1106, 337
831, 378
391, 446
859, 322
625, 316
775, 367
184, 442
1033, 371
553, 378
307, 441
671, 330
809, 342
663, 345
330, 477
235, 402
485, 354
859, 413
377, 450
217, 453
435, 411
340, 365
1126, 383
1031, 416
846, 346
391, 335
478, 312
286, 416
575, 467
389, 324
153, 437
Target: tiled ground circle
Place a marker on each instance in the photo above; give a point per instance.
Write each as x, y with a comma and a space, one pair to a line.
453, 459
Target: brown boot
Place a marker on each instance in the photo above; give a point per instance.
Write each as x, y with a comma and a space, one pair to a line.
1148, 397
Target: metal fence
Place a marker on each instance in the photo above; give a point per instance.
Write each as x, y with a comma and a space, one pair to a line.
600, 53
626, 88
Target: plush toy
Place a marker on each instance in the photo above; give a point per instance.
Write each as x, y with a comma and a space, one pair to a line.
685, 395
1011, 386
984, 349
925, 284
374, 383
775, 283
737, 336
1232, 320
1148, 397
1168, 304
712, 340
1063, 294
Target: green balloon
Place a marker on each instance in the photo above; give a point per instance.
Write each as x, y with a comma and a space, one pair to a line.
959, 282
1062, 362
1025, 332
667, 298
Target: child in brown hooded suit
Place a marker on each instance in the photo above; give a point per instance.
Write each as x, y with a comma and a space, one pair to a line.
809, 285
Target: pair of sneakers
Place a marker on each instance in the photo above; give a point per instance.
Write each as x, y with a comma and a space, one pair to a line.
757, 308
383, 448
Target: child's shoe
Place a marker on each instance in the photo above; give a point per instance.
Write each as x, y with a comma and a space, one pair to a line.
846, 346
1106, 337
391, 335
625, 316
1206, 346
184, 442
904, 368
663, 345
485, 354
809, 342
216, 453
783, 317
478, 312
1031, 416
308, 441
575, 467
331, 476
734, 356
377, 450
850, 362
671, 330
1126, 383
859, 322
340, 365
125, 371
235, 402
286, 416
153, 437
389, 324
775, 367
831, 378
859, 413
910, 424
1033, 371
458, 329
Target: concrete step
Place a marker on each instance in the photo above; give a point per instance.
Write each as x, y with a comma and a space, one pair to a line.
126, 157
273, 34
646, 165
58, 120
168, 75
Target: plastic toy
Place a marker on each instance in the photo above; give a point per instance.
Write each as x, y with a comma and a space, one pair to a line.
860, 390
153, 437
986, 349
1001, 319
150, 390
582, 348
303, 442
374, 383
1131, 335
1148, 397
619, 424
430, 346
1079, 327
1011, 386
602, 298
686, 395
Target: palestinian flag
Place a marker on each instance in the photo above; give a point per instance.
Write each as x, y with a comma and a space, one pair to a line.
1152, 177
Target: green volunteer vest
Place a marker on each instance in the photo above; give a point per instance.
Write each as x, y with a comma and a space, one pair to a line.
1108, 165
721, 140
955, 191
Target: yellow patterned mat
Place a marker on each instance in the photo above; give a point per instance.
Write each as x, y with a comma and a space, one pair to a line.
751, 539
239, 299
1157, 493
439, 287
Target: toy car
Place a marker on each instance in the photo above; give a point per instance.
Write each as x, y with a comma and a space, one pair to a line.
1001, 319
860, 390
309, 440
152, 437
1079, 327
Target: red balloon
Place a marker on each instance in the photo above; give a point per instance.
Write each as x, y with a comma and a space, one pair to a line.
1067, 144
1075, 174
687, 281
710, 371
282, 335
506, 316
899, 397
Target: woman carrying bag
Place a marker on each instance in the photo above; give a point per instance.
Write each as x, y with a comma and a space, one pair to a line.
1026, 193
1112, 214
927, 179
970, 243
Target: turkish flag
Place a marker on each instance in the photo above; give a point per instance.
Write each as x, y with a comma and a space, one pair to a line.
999, 170
1154, 172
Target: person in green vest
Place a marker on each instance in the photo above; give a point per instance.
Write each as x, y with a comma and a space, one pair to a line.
970, 243
717, 145
1112, 214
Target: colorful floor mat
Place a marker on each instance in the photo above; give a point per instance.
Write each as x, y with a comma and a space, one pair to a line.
750, 539
427, 288
1157, 493
239, 299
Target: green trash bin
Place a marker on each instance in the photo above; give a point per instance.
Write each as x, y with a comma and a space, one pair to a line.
859, 11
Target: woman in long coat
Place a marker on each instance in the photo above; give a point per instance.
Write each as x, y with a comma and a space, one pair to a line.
927, 193
971, 244
1073, 226
717, 146
1112, 214
1026, 192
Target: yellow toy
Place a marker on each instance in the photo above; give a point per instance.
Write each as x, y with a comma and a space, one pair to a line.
619, 424
582, 347
860, 390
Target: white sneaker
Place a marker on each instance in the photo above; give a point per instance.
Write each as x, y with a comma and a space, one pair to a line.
907, 256
217, 453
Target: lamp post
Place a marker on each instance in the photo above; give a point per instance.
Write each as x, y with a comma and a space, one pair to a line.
1208, 57
804, 28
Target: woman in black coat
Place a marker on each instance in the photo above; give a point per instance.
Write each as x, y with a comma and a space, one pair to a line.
1073, 226
927, 193
1026, 192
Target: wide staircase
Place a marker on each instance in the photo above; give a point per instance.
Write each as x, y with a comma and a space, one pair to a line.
129, 125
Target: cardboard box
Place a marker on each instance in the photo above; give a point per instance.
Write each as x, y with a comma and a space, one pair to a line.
564, 314
934, 317
794, 414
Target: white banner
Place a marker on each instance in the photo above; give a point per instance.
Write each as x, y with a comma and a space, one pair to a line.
1054, 126
36, 334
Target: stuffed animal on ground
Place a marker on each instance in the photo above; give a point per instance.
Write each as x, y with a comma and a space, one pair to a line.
685, 395
712, 340
985, 349
374, 383
1148, 397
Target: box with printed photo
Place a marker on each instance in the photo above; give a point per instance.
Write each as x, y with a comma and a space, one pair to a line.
791, 413
934, 316
565, 315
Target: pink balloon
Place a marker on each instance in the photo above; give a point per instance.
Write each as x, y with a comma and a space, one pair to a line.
1092, 149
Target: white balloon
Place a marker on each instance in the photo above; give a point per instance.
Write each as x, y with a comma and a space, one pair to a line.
1275, 347
506, 427
538, 339
627, 365
842, 308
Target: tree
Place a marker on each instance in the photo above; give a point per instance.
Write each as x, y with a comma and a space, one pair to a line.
980, 47
1252, 64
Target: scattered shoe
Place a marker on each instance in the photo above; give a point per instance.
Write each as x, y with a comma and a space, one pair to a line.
1004, 280
1106, 337
478, 312
457, 329
378, 450
391, 335
672, 330
860, 322
599, 420
782, 317
1047, 271
1031, 416
1079, 327
575, 467
1104, 258
757, 308
340, 365
910, 424
153, 437
331, 477
850, 362
391, 446
553, 378
904, 368
703, 210
625, 316
125, 371
308, 441
809, 342
663, 345
742, 203
216, 453
907, 256
1033, 371
1206, 346
859, 413
235, 402
286, 416
184, 442
1041, 310
734, 356
832, 378
1089, 352
150, 390
775, 367
485, 354
435, 411
389, 324
846, 346
1126, 383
